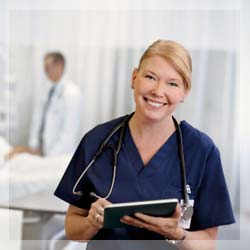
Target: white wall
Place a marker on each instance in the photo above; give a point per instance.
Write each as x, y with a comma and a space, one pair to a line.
32, 35
103, 43
92, 50
244, 106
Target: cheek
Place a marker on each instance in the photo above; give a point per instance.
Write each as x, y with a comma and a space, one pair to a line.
176, 98
137, 96
142, 87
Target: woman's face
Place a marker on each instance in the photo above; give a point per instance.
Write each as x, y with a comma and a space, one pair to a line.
158, 89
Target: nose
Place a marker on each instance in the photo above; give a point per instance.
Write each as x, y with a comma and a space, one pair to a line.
158, 89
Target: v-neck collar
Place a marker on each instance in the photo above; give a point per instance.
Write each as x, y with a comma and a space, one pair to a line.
155, 162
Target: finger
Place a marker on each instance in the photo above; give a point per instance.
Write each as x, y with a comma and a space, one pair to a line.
158, 224
95, 219
94, 222
138, 223
98, 209
93, 213
149, 219
132, 221
100, 220
100, 204
103, 202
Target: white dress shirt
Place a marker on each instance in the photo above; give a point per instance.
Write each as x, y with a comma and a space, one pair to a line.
63, 118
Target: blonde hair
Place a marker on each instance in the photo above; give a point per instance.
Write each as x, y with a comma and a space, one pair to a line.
175, 54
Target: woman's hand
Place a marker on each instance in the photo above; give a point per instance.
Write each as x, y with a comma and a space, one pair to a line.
96, 212
168, 227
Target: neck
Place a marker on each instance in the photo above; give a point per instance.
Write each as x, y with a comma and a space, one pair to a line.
57, 79
145, 128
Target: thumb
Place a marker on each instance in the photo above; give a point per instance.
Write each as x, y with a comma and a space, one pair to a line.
177, 213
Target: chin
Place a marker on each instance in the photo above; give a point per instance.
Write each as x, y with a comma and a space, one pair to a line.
156, 116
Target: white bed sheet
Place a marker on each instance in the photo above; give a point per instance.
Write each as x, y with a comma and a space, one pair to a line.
26, 174
4, 149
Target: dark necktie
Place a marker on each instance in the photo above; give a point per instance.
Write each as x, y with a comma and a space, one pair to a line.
44, 114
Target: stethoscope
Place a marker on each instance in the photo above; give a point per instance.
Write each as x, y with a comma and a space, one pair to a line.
186, 207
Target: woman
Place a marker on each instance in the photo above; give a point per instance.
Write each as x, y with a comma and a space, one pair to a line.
148, 166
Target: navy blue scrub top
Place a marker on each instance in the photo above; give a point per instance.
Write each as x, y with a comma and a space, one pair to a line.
159, 179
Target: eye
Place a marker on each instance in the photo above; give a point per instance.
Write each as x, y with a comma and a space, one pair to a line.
150, 77
173, 84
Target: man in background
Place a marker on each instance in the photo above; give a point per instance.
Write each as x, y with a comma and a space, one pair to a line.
56, 120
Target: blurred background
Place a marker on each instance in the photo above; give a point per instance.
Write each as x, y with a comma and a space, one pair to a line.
102, 43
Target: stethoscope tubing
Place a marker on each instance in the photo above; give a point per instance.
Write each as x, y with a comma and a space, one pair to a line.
182, 162
104, 145
101, 150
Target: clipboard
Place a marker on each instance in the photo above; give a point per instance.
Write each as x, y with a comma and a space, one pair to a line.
160, 208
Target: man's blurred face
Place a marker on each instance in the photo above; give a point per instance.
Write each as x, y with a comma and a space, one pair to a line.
53, 70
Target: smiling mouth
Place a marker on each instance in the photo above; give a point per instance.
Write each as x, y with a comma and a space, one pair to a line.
154, 103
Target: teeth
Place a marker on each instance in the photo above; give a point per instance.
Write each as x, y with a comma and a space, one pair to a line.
155, 104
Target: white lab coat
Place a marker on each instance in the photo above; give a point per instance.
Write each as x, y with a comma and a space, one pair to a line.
63, 118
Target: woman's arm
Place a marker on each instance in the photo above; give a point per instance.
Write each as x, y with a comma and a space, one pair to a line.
170, 228
82, 224
77, 225
200, 240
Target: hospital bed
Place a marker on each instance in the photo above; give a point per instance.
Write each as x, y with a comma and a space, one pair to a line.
26, 174
27, 184
10, 233
37, 210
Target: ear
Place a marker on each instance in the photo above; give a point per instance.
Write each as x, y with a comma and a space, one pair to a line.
134, 75
185, 95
